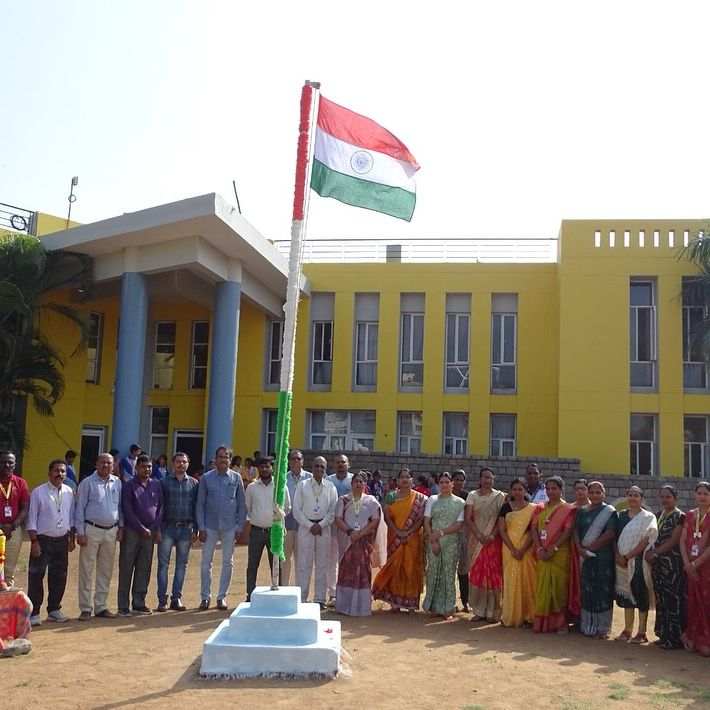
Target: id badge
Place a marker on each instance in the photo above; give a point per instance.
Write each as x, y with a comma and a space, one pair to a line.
60, 524
357, 526
8, 511
316, 508
543, 534
694, 551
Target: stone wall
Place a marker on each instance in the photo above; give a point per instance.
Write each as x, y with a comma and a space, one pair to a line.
508, 467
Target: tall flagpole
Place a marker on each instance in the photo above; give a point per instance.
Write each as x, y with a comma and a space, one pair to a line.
283, 421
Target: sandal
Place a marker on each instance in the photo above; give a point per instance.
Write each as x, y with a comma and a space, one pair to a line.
624, 636
639, 638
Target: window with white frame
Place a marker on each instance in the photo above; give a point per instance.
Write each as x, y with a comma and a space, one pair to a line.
159, 420
342, 430
275, 344
409, 432
164, 355
502, 434
642, 332
93, 348
695, 370
412, 340
643, 444
367, 307
321, 365
269, 439
455, 433
504, 326
695, 446
198, 354
458, 335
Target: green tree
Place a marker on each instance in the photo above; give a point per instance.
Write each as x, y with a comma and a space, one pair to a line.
32, 367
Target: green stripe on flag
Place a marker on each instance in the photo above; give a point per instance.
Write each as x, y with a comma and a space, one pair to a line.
283, 429
354, 191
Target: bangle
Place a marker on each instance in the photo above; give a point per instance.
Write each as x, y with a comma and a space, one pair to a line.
540, 548
693, 563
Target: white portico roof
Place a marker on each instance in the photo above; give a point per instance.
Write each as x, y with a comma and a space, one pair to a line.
201, 236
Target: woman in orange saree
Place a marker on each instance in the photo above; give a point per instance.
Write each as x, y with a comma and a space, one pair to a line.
400, 582
551, 529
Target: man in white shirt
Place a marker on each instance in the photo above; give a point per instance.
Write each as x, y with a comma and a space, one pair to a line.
536, 488
261, 511
296, 473
314, 510
342, 480
50, 525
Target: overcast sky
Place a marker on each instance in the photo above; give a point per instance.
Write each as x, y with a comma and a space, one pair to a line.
521, 114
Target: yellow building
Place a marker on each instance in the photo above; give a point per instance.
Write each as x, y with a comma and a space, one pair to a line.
576, 347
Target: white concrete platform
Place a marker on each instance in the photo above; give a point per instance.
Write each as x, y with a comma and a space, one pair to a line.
275, 634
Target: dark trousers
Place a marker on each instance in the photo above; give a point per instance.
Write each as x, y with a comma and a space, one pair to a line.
463, 588
259, 539
134, 564
53, 560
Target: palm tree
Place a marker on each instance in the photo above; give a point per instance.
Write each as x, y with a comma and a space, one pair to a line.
32, 367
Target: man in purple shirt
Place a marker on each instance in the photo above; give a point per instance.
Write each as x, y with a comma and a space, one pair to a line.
142, 504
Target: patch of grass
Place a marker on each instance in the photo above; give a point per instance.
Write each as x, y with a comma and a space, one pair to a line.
473, 707
619, 692
704, 695
577, 705
23, 683
663, 684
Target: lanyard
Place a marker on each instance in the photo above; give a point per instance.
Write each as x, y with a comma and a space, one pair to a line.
664, 515
698, 524
58, 500
320, 490
6, 493
357, 504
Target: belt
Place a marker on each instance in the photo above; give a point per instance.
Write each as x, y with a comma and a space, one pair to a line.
102, 527
179, 523
315, 522
260, 528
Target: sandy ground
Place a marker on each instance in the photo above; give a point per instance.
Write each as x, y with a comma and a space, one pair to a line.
393, 661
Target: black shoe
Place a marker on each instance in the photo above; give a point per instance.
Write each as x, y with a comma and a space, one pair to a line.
162, 606
177, 605
204, 605
142, 610
221, 605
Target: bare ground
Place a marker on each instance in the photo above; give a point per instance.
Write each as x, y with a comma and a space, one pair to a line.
390, 661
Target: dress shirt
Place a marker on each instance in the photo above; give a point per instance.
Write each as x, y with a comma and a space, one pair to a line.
291, 482
260, 503
179, 499
539, 495
142, 505
98, 501
51, 511
220, 501
71, 473
315, 502
15, 493
343, 486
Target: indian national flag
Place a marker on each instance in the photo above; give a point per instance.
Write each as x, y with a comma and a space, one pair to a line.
359, 162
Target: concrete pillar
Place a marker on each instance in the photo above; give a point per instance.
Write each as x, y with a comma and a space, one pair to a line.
130, 362
223, 365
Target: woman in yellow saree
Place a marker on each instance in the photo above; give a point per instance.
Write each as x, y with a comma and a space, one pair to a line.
518, 559
401, 580
551, 529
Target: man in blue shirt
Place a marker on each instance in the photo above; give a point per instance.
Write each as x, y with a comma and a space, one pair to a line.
296, 473
177, 530
220, 514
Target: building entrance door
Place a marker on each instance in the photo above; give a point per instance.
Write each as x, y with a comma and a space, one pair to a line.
190, 442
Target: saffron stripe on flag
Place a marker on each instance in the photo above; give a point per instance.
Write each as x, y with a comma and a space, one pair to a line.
361, 131
354, 191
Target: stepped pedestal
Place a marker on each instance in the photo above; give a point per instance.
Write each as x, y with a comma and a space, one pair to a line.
274, 634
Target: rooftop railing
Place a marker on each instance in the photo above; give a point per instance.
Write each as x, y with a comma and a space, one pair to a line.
17, 218
452, 250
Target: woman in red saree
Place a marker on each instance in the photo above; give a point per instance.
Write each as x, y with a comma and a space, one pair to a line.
401, 581
695, 550
551, 529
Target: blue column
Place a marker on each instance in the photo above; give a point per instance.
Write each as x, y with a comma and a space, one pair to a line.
130, 362
223, 366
